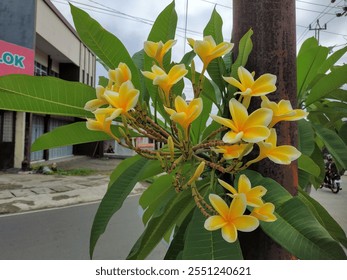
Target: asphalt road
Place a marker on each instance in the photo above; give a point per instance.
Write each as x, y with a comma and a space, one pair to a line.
63, 234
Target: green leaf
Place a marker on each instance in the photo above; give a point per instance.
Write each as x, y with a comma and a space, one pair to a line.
72, 134
198, 126
214, 27
343, 132
44, 95
201, 244
298, 231
309, 61
328, 84
156, 196
216, 69
308, 165
275, 192
245, 48
177, 244
103, 43
125, 176
331, 60
306, 137
338, 94
158, 226
324, 218
335, 145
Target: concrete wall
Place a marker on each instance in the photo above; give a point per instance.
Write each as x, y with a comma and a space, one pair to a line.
55, 32
18, 29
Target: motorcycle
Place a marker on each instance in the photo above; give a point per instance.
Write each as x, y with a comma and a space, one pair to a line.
332, 182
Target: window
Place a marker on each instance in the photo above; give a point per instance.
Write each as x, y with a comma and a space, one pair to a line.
40, 70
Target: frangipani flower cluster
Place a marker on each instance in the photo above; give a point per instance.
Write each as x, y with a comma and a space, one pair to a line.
177, 123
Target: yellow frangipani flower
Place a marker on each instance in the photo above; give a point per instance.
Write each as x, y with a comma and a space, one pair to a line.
100, 100
185, 114
265, 212
207, 49
166, 81
234, 151
122, 101
253, 195
248, 87
279, 154
230, 219
249, 128
197, 173
119, 76
100, 123
282, 111
157, 50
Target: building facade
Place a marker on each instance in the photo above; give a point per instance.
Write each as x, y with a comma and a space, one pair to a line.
52, 48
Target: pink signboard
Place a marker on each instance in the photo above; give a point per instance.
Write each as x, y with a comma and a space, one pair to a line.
15, 59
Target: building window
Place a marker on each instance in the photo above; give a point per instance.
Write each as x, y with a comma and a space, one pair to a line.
40, 70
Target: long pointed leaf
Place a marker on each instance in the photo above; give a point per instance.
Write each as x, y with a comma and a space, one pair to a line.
45, 95
201, 244
299, 232
128, 173
103, 43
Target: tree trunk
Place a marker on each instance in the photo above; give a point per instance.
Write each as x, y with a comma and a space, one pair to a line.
274, 51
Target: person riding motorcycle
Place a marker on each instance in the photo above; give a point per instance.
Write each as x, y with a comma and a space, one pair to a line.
331, 172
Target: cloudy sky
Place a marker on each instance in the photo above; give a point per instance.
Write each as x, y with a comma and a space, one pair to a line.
131, 20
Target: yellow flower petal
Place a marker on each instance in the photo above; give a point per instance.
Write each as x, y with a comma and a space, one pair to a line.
237, 206
246, 78
229, 233
284, 154
232, 81
246, 223
264, 84
224, 121
227, 186
232, 137
215, 222
265, 212
219, 205
176, 73
260, 117
254, 196
180, 104
255, 134
94, 104
244, 185
238, 113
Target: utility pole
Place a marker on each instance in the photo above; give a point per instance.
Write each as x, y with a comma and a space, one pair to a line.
317, 29
274, 51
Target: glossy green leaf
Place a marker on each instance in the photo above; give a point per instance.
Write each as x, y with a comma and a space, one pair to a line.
216, 69
308, 165
306, 137
338, 94
156, 196
343, 132
44, 95
124, 178
201, 244
176, 246
324, 218
328, 84
72, 134
158, 226
104, 44
308, 63
335, 145
331, 60
275, 192
299, 232
198, 126
245, 48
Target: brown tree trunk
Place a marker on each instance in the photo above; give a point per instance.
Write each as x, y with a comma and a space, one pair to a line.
274, 51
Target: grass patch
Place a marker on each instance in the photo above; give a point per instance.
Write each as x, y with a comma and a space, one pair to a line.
75, 172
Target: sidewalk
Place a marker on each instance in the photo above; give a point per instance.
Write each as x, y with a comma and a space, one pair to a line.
24, 191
